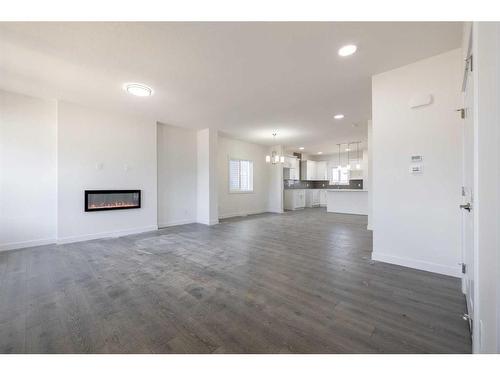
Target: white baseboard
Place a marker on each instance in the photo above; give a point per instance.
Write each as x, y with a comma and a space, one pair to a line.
210, 222
23, 244
241, 213
418, 264
176, 222
96, 236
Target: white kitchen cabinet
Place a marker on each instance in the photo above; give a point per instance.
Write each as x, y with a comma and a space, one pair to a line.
314, 170
294, 199
308, 169
312, 197
322, 198
293, 166
288, 162
321, 170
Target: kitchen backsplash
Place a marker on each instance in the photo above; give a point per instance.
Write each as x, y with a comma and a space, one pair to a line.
296, 184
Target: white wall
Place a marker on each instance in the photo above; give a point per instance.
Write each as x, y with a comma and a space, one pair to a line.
238, 204
27, 171
207, 207
486, 55
126, 148
177, 175
416, 220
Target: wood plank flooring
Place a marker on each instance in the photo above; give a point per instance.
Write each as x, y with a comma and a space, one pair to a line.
301, 282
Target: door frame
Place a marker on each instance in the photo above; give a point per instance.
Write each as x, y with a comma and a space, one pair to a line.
469, 47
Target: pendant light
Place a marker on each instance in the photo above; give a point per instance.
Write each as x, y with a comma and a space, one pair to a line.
358, 165
348, 158
275, 157
339, 166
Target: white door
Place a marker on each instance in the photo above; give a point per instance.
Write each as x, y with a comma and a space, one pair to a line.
467, 206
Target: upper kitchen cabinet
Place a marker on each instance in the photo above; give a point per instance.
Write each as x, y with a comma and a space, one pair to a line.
292, 168
321, 170
308, 170
314, 170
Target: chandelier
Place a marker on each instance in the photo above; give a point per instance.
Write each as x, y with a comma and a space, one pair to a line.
275, 157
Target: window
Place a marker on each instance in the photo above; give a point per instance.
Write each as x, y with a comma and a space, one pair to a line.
240, 176
340, 176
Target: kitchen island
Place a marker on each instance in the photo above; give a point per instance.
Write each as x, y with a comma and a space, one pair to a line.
347, 201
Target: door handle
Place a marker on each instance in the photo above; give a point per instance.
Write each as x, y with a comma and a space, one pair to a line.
466, 206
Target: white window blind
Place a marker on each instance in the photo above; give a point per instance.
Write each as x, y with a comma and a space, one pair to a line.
340, 176
240, 176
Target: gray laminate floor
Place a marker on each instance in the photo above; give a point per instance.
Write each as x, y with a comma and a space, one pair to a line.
301, 282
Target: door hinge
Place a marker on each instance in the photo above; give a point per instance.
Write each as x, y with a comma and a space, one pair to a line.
468, 63
468, 319
462, 112
463, 191
464, 267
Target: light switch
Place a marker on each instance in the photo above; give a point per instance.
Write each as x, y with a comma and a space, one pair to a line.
416, 169
99, 166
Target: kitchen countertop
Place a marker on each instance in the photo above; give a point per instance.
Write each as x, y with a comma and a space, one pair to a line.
348, 190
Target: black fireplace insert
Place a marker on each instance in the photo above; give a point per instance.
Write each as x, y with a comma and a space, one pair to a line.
104, 200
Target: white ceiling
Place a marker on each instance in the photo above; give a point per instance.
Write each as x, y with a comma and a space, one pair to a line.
246, 79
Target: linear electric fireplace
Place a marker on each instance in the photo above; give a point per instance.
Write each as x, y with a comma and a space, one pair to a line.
101, 200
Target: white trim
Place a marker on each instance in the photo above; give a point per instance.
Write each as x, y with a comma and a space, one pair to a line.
175, 223
241, 213
117, 233
209, 222
24, 244
418, 264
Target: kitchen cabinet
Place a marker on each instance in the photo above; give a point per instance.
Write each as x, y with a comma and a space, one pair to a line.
292, 164
322, 198
312, 197
308, 169
314, 170
321, 170
294, 199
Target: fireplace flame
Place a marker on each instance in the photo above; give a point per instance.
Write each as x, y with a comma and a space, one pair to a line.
111, 204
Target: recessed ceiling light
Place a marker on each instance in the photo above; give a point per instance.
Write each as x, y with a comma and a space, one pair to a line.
138, 89
347, 50
301, 148
339, 116
320, 152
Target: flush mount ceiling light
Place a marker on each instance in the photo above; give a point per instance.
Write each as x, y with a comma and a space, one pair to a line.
301, 148
347, 50
339, 116
320, 152
138, 89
